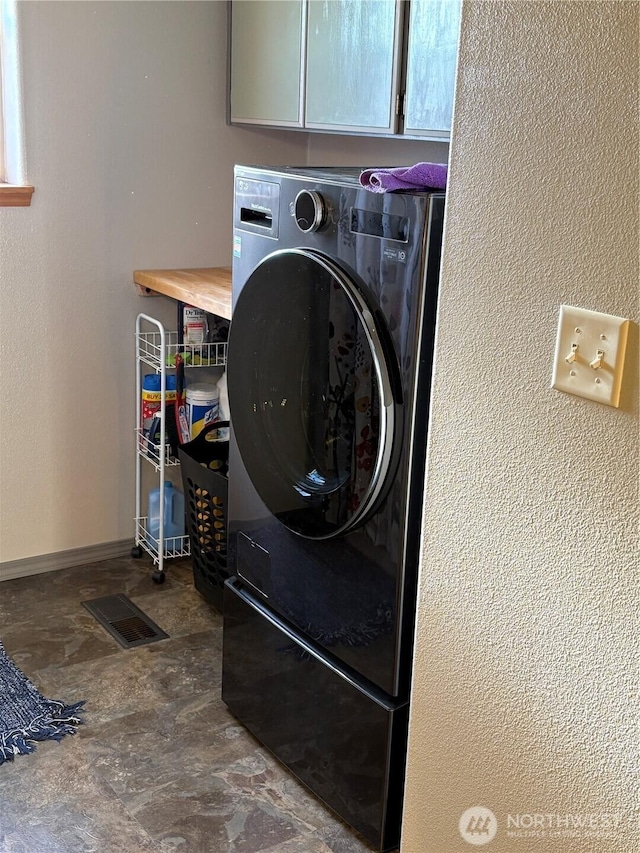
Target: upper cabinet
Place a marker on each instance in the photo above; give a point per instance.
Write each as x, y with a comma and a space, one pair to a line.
356, 66
432, 55
267, 61
352, 65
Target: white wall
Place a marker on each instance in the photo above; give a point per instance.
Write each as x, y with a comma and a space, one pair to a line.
132, 162
527, 658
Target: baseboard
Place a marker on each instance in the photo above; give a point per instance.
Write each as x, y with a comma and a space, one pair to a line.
64, 559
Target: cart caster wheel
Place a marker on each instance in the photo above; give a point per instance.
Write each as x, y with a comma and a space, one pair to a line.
136, 552
158, 577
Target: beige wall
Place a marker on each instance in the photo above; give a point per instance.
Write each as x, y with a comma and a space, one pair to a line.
132, 161
336, 150
127, 145
527, 654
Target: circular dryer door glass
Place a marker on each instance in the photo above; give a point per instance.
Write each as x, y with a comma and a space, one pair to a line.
310, 393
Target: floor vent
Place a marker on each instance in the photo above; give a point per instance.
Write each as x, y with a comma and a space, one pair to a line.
124, 621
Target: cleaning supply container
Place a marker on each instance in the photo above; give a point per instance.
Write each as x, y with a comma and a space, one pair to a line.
202, 406
174, 519
151, 394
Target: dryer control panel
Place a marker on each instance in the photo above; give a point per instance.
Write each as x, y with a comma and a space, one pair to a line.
257, 207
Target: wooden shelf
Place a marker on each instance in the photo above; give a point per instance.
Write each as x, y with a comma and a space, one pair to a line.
208, 288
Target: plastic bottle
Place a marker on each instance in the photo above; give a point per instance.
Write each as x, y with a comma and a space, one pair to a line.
202, 407
173, 518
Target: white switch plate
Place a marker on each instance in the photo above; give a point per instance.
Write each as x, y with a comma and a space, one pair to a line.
581, 334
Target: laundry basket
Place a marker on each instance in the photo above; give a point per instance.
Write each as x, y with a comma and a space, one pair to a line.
204, 465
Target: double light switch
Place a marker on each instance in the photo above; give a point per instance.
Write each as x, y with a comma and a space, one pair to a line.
590, 350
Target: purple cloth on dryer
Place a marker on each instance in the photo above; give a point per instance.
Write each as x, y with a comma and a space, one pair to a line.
422, 176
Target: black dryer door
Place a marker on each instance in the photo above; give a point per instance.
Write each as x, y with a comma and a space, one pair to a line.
310, 393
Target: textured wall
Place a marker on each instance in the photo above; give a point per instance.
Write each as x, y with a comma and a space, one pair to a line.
526, 654
132, 161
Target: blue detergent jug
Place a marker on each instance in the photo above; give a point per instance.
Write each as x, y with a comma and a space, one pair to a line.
173, 519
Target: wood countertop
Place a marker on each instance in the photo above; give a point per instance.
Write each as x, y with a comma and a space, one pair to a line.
208, 288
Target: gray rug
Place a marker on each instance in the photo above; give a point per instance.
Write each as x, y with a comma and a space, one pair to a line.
26, 716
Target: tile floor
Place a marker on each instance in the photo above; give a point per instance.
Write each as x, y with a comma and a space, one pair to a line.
160, 764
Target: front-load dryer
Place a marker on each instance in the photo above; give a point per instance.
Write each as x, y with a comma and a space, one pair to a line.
329, 370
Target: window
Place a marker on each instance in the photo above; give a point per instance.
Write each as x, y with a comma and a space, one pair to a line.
2, 158
14, 191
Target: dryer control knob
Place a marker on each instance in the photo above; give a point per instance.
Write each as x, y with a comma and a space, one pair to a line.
309, 210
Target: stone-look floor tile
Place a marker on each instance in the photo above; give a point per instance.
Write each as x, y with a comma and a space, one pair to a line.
179, 611
339, 838
240, 827
315, 844
175, 770
300, 844
177, 748
160, 764
194, 722
48, 640
52, 802
24, 599
138, 679
67, 631
322, 824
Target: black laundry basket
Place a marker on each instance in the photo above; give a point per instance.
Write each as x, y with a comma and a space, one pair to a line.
204, 464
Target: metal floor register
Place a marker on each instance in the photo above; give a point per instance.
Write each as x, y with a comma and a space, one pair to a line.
124, 621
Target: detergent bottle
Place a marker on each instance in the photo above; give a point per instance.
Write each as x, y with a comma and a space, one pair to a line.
173, 518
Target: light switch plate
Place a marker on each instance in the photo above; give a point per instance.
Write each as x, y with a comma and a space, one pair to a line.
589, 358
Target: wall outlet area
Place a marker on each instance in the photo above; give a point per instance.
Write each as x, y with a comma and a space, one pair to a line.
590, 352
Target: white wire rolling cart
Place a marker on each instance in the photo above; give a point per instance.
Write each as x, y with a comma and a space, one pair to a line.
157, 349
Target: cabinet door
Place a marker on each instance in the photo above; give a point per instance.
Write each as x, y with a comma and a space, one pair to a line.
352, 65
266, 61
432, 54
